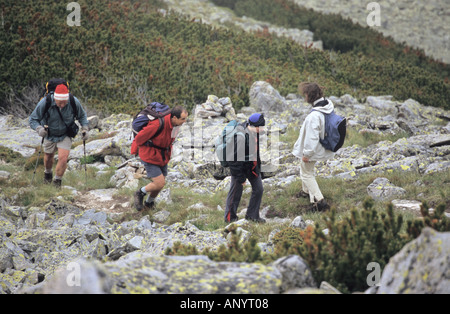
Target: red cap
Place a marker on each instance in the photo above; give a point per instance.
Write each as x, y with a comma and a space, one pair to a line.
61, 92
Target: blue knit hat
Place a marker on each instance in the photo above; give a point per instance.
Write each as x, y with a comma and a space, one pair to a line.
257, 119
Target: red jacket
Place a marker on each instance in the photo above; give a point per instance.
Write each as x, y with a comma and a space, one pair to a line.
161, 154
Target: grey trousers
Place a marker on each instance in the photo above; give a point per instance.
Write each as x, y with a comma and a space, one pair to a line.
235, 195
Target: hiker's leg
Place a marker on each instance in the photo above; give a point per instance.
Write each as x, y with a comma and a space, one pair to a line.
49, 154
256, 198
49, 157
61, 166
156, 186
233, 199
158, 176
63, 156
48, 161
309, 181
304, 187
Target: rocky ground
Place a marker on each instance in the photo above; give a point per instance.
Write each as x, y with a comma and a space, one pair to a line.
38, 244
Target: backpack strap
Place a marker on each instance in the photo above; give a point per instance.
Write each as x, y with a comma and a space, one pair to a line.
150, 143
160, 128
73, 104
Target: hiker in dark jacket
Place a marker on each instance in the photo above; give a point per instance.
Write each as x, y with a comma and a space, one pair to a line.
156, 156
57, 118
246, 166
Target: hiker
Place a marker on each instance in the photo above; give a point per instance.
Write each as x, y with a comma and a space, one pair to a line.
155, 153
308, 147
54, 120
245, 168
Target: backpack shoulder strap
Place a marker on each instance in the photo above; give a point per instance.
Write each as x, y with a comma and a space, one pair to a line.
48, 103
74, 105
160, 128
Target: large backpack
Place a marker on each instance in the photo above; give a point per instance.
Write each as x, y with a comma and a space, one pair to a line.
335, 131
225, 143
50, 87
154, 111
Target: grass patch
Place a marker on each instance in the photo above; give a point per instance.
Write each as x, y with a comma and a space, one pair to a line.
365, 139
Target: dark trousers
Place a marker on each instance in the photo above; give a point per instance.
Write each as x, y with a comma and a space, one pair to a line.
234, 198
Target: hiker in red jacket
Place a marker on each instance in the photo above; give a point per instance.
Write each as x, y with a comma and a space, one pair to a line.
155, 154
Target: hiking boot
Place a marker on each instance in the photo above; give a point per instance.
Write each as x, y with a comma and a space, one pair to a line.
138, 200
302, 194
257, 220
231, 220
321, 206
48, 177
57, 183
150, 205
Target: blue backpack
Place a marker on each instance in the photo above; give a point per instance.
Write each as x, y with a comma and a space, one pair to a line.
335, 131
154, 111
227, 140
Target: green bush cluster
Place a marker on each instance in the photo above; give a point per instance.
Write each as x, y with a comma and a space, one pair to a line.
341, 257
9, 156
234, 251
127, 53
436, 220
367, 60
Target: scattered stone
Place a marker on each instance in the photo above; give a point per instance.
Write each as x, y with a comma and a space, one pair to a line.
407, 205
298, 222
382, 189
295, 273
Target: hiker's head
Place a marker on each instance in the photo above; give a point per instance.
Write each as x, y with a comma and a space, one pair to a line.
311, 91
256, 122
61, 95
179, 116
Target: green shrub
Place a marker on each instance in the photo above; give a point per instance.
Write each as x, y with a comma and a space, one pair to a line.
436, 220
342, 256
126, 53
9, 156
234, 251
368, 61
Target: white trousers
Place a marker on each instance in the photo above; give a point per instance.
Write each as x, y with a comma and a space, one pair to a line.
309, 183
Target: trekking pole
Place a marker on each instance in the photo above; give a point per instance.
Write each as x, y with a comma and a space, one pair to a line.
39, 156
85, 166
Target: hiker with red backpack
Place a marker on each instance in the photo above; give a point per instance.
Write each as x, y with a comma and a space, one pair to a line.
322, 134
54, 120
153, 143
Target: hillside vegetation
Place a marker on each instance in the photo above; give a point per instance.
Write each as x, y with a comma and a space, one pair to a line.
126, 53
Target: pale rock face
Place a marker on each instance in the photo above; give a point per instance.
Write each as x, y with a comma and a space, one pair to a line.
422, 266
424, 25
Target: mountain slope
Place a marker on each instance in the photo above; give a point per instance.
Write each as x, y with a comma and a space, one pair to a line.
126, 53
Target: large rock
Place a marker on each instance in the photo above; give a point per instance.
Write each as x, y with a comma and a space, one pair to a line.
421, 267
118, 145
143, 273
265, 98
382, 189
18, 136
295, 272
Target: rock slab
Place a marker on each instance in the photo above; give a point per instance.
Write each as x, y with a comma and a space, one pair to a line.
421, 267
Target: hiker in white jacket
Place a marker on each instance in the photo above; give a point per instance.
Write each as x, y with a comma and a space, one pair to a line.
308, 147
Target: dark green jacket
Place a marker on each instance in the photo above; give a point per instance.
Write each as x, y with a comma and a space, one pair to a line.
57, 128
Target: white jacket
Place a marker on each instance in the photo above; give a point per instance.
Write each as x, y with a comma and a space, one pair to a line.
313, 129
